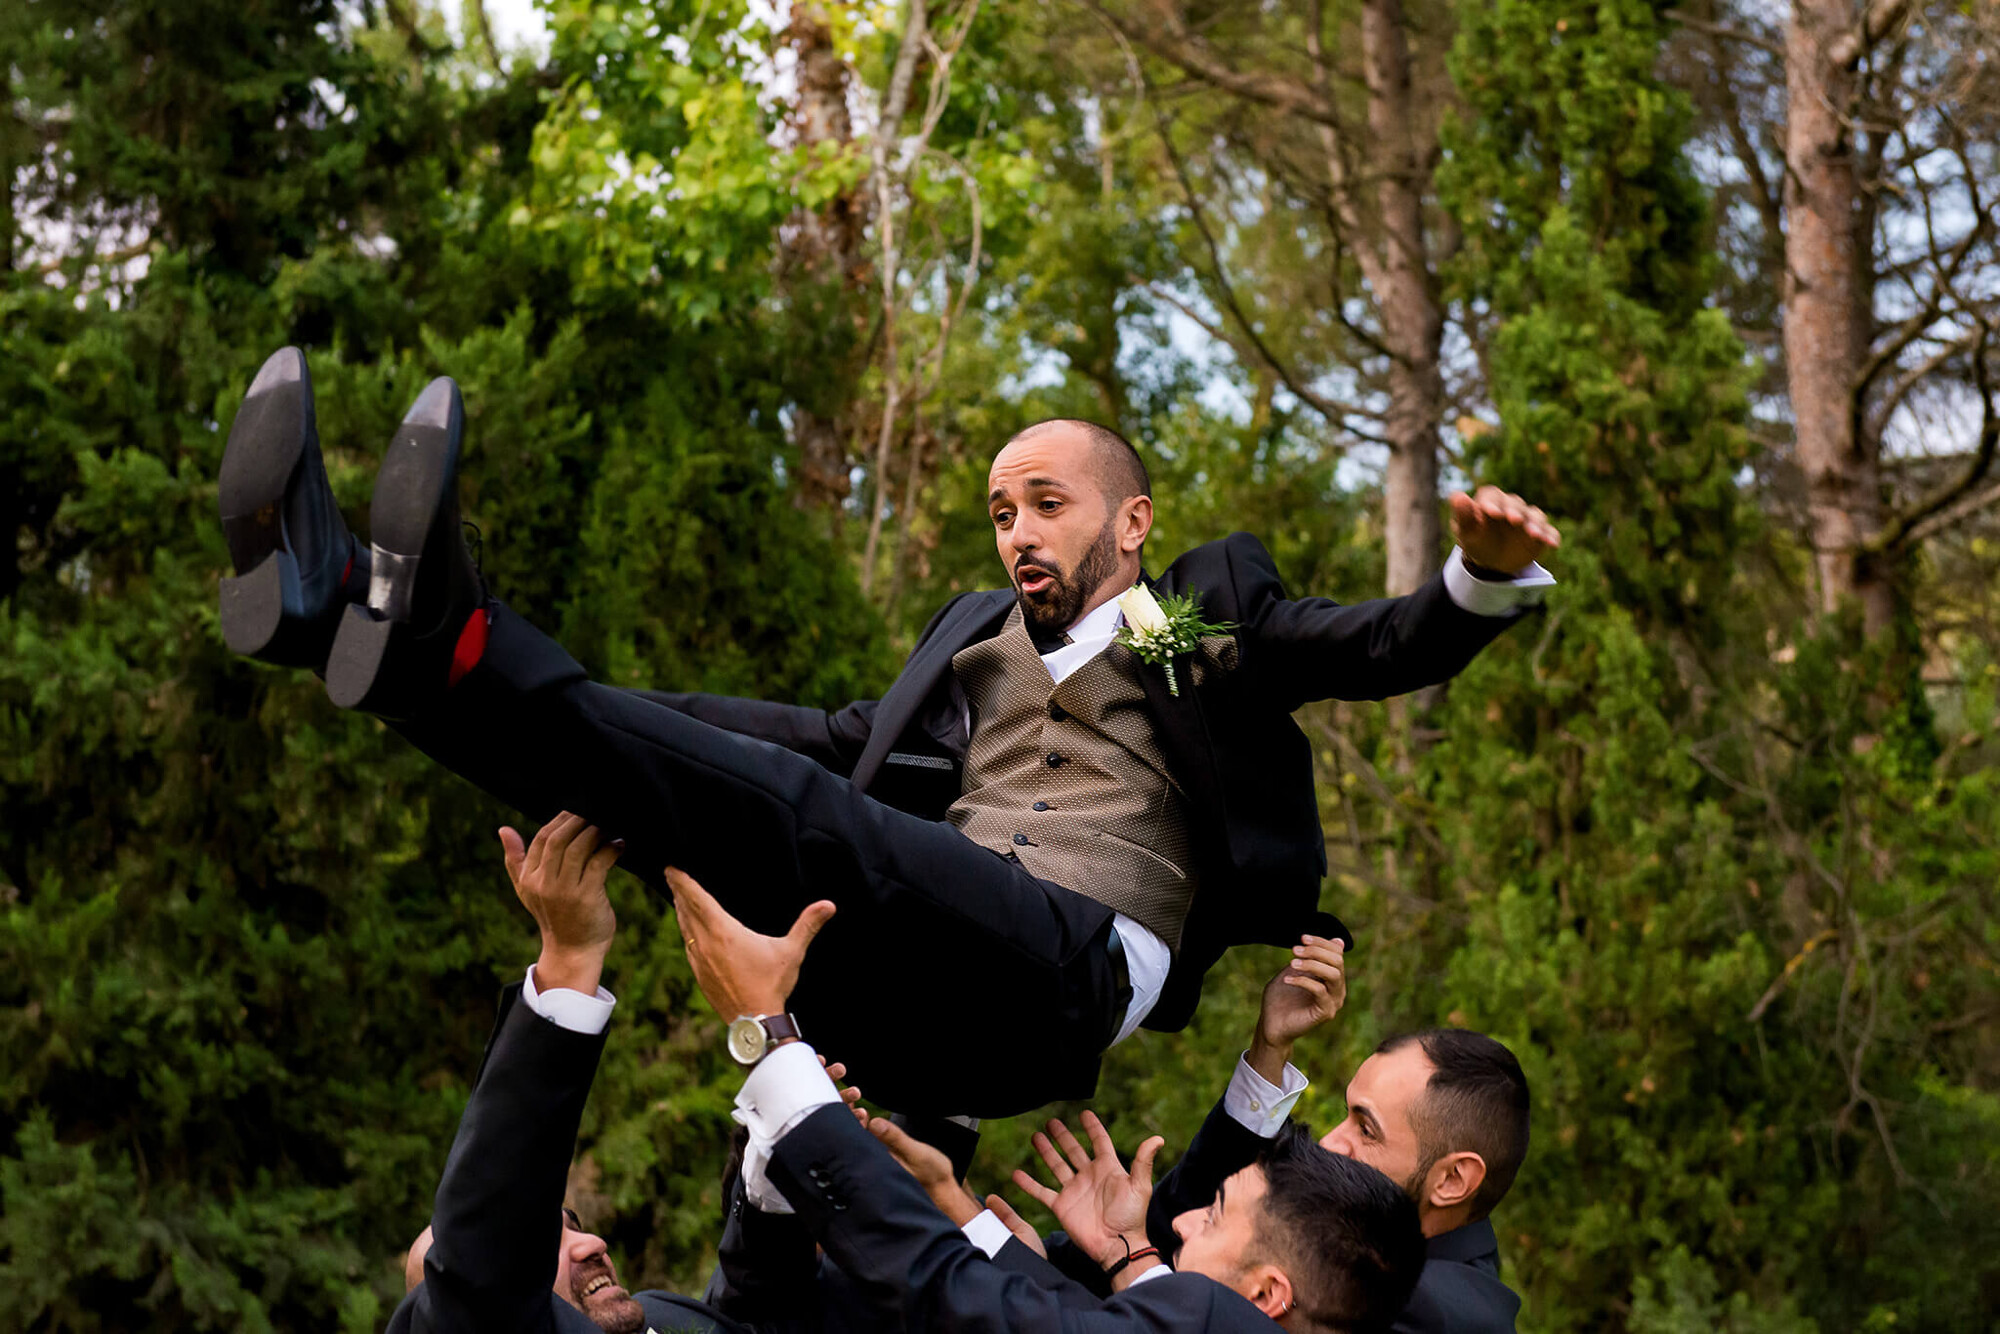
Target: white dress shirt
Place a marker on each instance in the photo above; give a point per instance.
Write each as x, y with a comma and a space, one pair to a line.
1258, 1105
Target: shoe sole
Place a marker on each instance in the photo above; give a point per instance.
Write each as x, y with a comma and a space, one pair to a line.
271, 433
421, 461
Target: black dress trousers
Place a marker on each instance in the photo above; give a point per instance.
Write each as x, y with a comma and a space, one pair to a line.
951, 981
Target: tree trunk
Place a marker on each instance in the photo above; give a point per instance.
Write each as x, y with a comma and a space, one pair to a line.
1827, 314
1412, 321
824, 247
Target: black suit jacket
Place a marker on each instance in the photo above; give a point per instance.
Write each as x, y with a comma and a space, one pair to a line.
1244, 765
497, 1219
1459, 1291
905, 1257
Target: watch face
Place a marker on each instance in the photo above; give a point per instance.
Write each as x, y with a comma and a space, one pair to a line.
747, 1040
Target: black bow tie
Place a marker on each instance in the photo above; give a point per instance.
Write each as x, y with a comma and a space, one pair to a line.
1047, 641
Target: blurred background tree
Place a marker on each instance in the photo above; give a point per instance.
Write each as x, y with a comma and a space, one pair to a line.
744, 298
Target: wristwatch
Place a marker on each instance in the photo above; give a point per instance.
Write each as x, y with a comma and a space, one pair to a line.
753, 1035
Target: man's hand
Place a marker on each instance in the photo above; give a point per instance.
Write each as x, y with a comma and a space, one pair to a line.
1500, 533
1017, 1225
560, 880
1100, 1204
929, 1165
1306, 993
851, 1096
739, 971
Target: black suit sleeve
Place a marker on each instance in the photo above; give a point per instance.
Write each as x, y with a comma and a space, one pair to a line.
1219, 1150
1069, 1260
497, 1220
1304, 649
877, 1225
1017, 1258
766, 1265
833, 740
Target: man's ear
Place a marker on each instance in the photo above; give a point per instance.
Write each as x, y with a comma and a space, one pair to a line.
1454, 1179
1270, 1290
1135, 520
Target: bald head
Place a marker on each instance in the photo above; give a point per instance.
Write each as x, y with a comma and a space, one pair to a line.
1114, 462
1070, 509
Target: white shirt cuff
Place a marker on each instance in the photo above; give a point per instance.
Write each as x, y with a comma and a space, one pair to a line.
569, 1009
987, 1232
786, 1087
1258, 1105
1147, 1276
1493, 597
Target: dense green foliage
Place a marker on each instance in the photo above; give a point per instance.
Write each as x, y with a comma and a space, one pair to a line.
1724, 878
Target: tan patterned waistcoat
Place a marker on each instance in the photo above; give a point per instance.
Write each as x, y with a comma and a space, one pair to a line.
1070, 778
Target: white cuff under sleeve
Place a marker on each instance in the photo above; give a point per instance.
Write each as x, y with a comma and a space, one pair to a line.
987, 1232
569, 1009
786, 1087
1157, 1271
1493, 597
1258, 1105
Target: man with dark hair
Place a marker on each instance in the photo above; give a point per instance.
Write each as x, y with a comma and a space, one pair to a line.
1442, 1112
1081, 825
1467, 1104
1450, 1127
1343, 1264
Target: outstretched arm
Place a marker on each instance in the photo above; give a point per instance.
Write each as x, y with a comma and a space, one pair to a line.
832, 739
1306, 993
1304, 649
497, 1219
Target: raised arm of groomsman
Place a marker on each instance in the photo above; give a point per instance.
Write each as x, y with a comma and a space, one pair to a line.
502, 1253
1443, 1112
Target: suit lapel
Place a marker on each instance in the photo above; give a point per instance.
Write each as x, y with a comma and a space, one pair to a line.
977, 617
1182, 731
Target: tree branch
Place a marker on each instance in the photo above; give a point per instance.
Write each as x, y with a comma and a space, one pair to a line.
1168, 37
1957, 501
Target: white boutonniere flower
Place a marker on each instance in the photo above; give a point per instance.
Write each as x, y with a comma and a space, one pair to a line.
1164, 628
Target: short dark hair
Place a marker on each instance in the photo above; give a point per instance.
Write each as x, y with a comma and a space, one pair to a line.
1119, 468
1346, 1236
1477, 1100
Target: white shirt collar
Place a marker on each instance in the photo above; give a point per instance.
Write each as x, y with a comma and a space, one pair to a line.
1102, 623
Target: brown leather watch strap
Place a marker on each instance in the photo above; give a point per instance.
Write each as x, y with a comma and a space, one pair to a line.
782, 1027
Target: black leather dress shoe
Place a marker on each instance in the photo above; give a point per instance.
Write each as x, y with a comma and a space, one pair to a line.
296, 563
393, 653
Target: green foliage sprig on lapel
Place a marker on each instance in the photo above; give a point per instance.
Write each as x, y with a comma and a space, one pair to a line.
1161, 628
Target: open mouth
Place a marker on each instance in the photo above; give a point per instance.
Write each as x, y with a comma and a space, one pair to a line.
1036, 581
597, 1285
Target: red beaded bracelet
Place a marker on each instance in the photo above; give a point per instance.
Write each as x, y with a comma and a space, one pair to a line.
1130, 1256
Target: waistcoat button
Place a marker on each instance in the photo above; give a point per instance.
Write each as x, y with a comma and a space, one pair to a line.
1055, 760
1021, 840
1056, 712
1041, 805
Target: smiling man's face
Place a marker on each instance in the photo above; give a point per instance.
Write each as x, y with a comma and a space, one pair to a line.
1067, 544
1378, 1128
586, 1280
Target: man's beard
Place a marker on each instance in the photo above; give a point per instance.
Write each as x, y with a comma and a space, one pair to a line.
1056, 608
611, 1309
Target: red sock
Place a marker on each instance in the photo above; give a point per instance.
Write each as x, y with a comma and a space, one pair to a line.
471, 646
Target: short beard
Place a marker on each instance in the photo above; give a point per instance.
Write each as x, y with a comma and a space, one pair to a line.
620, 1315
613, 1315
1058, 607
